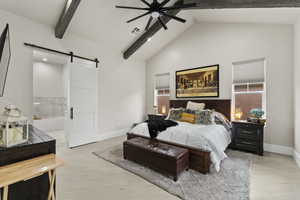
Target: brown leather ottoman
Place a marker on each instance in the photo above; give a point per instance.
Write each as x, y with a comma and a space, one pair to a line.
166, 159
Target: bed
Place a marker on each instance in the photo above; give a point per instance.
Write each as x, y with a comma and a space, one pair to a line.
201, 159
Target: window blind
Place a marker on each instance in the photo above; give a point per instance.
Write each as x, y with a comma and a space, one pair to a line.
162, 81
252, 71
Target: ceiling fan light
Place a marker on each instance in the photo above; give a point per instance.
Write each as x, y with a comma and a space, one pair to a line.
155, 14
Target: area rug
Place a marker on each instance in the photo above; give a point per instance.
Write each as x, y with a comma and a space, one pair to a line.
231, 183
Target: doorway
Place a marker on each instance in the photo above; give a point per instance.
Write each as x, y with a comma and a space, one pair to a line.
65, 99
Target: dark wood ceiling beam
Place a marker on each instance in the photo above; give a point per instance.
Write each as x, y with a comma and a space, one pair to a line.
150, 32
66, 17
219, 4
208, 4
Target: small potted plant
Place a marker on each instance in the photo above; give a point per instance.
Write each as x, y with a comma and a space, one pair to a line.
258, 113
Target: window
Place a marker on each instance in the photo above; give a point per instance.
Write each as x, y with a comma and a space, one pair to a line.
162, 94
248, 88
162, 99
247, 96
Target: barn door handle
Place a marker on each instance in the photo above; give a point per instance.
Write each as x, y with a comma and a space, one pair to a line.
72, 113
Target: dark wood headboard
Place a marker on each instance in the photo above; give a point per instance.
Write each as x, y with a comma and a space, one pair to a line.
221, 105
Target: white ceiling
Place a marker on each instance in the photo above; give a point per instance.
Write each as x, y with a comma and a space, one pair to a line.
100, 21
42, 11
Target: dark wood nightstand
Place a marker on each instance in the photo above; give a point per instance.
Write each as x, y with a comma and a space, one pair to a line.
248, 136
156, 116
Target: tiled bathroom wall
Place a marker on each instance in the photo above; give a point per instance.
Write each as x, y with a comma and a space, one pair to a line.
49, 107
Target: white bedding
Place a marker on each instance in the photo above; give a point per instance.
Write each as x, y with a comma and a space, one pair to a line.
214, 138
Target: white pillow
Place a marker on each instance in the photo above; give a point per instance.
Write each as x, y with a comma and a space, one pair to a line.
195, 106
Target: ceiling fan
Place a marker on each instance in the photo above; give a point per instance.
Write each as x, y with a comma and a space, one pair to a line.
156, 10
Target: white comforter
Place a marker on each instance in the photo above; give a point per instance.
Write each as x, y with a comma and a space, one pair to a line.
214, 138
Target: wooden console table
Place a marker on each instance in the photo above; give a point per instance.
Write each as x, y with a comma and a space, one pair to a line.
39, 144
29, 169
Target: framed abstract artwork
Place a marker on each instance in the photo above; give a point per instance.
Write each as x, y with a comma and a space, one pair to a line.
201, 82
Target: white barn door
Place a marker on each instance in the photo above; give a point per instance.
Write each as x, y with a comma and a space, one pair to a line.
81, 117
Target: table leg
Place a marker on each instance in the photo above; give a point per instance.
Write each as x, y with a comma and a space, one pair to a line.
52, 176
5, 193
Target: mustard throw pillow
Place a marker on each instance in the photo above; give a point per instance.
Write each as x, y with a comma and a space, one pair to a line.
188, 117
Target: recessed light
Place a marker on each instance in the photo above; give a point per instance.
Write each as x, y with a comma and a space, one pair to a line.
45, 59
149, 39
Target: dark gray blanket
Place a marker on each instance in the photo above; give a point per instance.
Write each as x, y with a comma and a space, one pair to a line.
156, 126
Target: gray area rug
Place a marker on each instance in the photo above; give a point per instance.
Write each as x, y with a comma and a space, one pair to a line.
231, 183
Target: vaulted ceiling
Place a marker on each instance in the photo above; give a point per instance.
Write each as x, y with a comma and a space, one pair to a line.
100, 21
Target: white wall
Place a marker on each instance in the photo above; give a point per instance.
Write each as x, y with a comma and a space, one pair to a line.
121, 83
297, 90
207, 44
48, 80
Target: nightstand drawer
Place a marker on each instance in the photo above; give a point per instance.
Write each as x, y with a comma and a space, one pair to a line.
247, 133
246, 142
246, 147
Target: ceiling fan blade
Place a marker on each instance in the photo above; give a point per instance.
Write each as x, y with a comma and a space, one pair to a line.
191, 5
134, 8
162, 23
174, 17
140, 16
145, 2
149, 23
164, 3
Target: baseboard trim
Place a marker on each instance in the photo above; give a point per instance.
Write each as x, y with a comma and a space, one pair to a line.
112, 134
297, 157
273, 148
101, 137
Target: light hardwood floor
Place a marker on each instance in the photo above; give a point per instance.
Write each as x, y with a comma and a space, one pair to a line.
273, 177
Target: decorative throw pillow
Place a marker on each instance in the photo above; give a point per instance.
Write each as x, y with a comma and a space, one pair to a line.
175, 114
195, 106
188, 117
190, 111
205, 117
222, 120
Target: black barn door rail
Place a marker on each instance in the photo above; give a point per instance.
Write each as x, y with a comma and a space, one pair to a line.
71, 54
